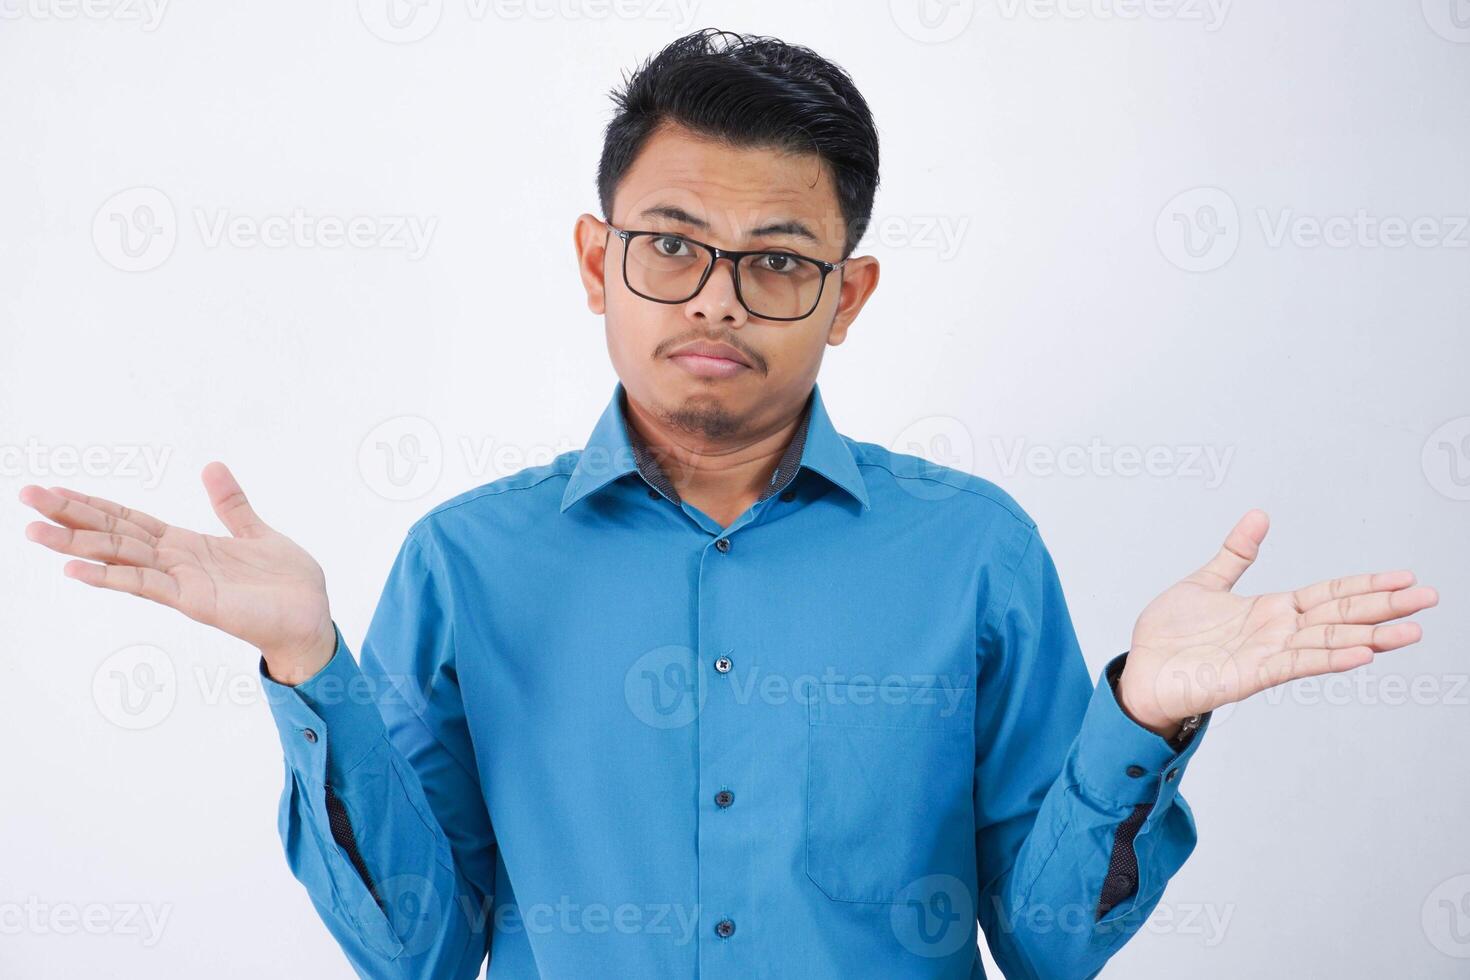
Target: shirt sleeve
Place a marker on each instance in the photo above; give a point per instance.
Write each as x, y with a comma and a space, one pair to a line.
1079, 821
382, 817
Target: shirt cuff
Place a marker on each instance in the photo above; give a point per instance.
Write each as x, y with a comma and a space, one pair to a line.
1118, 761
329, 722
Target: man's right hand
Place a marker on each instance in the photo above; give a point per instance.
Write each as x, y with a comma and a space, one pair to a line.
257, 585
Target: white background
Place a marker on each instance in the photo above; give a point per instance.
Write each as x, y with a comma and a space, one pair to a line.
1037, 292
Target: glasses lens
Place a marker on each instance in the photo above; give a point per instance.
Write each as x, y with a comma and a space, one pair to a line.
774, 285
779, 285
665, 267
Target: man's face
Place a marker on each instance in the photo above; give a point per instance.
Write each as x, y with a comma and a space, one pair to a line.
736, 199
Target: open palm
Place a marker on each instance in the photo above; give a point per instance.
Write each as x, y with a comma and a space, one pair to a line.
1199, 645
257, 584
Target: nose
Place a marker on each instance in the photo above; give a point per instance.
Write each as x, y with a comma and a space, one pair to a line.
717, 299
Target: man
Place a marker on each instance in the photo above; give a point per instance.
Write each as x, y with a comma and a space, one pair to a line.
727, 693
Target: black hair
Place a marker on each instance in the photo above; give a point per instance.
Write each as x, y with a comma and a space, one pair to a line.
749, 91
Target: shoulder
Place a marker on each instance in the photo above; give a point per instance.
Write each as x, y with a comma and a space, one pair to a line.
913, 482
510, 500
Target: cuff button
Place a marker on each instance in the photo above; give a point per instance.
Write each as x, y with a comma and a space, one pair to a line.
1135, 771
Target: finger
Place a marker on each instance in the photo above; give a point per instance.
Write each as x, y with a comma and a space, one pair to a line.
147, 522
146, 582
229, 502
1289, 665
1336, 636
97, 545
71, 512
1241, 546
1335, 588
1371, 607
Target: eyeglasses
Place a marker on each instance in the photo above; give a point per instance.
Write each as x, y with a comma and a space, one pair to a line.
669, 268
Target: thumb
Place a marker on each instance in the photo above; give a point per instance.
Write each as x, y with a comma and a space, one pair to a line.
1241, 546
229, 502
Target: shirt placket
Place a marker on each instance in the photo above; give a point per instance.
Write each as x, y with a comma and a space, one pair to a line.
725, 726
727, 917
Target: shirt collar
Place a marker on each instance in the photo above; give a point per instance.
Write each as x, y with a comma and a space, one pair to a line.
615, 450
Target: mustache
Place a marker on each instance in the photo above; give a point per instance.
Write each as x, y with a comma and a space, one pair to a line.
756, 361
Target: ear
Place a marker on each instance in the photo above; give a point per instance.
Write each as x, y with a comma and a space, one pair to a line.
590, 235
859, 278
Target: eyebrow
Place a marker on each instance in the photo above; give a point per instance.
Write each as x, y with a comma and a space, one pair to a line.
789, 226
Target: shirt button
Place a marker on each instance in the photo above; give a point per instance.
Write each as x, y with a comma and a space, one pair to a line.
1135, 771
723, 665
309, 735
653, 493
1172, 775
789, 495
725, 928
724, 798
723, 544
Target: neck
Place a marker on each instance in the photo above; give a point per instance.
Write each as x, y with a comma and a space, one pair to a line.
720, 476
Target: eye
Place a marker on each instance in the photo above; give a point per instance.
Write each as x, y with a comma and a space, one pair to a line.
669, 245
776, 262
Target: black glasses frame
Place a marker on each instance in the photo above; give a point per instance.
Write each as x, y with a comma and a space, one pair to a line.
716, 253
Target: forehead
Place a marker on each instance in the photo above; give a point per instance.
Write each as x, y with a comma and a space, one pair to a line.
734, 190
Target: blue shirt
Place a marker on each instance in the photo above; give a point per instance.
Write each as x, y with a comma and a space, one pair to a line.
596, 734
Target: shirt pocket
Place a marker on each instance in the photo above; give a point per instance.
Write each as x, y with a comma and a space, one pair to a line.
411, 913
890, 772
373, 927
327, 873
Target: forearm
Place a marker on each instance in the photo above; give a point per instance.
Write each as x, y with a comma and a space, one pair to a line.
1110, 832
359, 834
